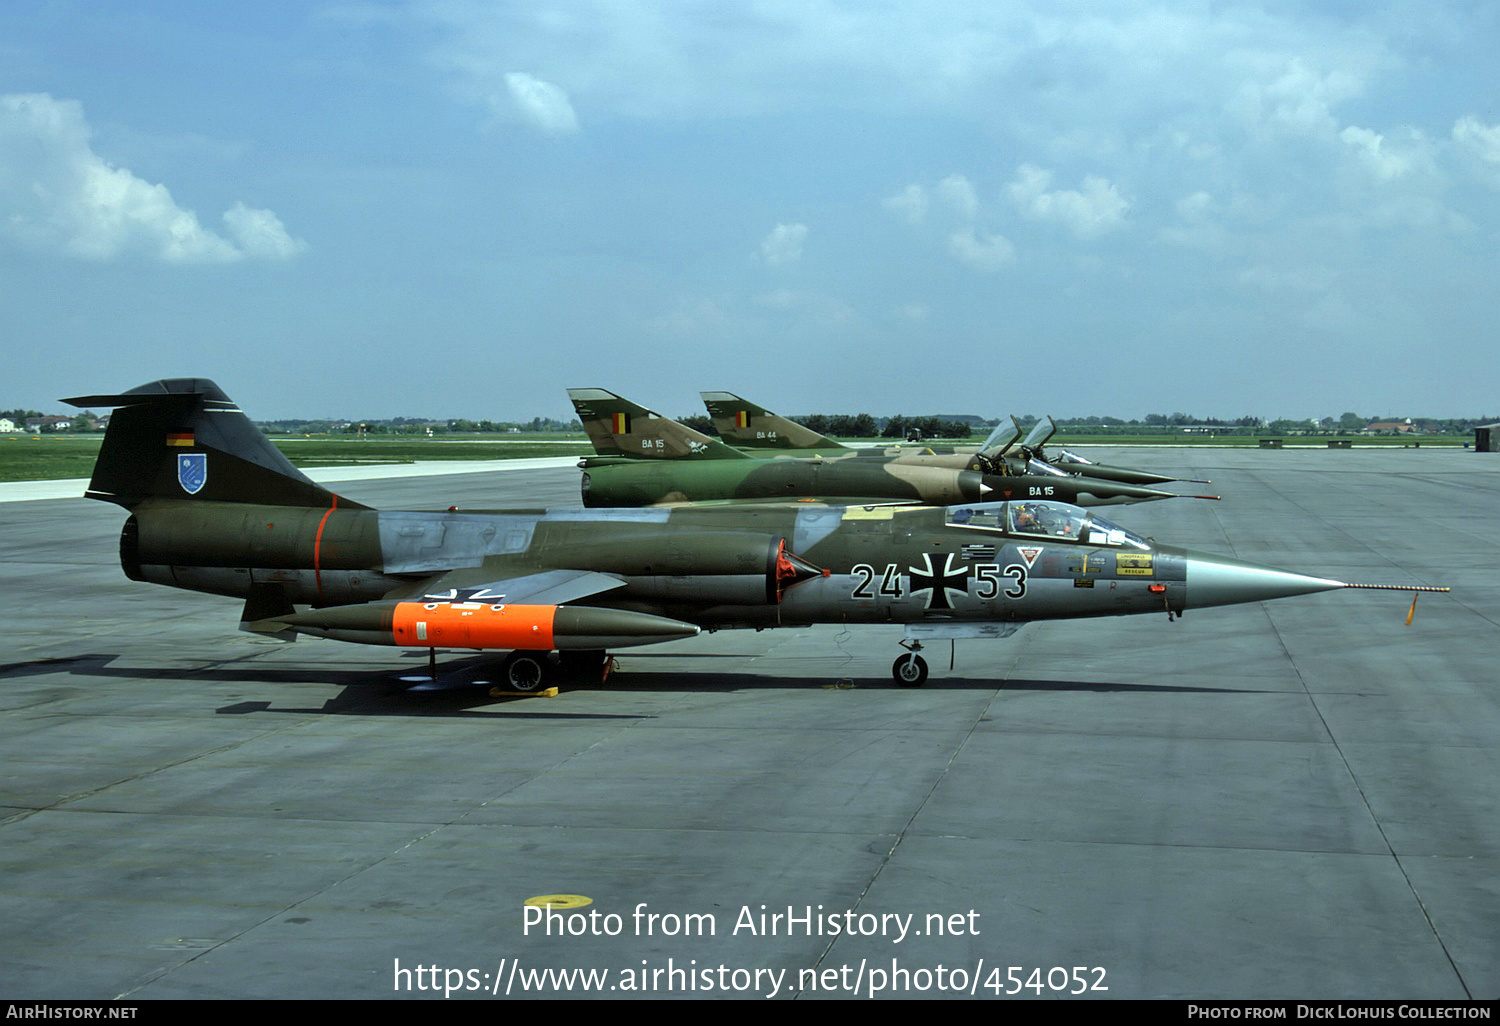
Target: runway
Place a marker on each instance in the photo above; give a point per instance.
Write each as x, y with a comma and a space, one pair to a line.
1281, 801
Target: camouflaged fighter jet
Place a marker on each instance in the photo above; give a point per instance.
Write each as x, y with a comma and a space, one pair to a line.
1065, 462
757, 431
645, 459
215, 507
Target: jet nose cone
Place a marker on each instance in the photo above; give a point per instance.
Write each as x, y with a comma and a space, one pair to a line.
1223, 581
1107, 493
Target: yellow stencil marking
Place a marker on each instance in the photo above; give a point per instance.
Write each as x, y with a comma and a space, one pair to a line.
559, 900
869, 512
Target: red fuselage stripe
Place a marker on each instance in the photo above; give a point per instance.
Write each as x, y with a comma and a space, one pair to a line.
318, 547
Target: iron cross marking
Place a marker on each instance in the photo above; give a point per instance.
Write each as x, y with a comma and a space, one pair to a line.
939, 582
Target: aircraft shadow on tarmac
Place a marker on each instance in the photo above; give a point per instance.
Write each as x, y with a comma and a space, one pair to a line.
364, 692
380, 697
456, 702
465, 683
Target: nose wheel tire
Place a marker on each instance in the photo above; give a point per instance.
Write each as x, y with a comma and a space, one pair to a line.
909, 670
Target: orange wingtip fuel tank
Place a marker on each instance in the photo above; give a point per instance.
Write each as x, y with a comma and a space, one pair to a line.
486, 625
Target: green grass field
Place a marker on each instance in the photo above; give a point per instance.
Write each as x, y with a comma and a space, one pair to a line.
1064, 439
47, 457
340, 451
55, 457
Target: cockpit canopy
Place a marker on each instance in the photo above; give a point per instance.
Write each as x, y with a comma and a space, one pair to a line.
1064, 456
1037, 519
1035, 466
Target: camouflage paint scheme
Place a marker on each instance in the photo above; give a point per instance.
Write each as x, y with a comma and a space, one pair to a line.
646, 459
757, 431
215, 508
1034, 449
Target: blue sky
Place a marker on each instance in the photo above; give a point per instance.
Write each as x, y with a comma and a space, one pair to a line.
454, 208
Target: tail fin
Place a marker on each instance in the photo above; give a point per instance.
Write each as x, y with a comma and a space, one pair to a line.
183, 438
741, 422
618, 427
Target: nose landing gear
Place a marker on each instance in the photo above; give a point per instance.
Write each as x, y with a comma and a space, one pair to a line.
910, 670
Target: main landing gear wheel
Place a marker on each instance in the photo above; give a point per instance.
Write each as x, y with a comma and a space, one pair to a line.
525, 672
910, 670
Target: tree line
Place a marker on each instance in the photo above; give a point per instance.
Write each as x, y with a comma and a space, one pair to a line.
857, 425
842, 425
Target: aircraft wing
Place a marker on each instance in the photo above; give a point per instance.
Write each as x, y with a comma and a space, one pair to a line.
547, 588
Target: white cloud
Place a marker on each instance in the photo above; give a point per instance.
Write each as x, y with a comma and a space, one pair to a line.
1480, 143
1399, 181
1248, 101
1310, 295
910, 203
958, 193
982, 251
57, 194
1195, 208
1477, 137
543, 104
1096, 209
1197, 226
260, 233
959, 207
1298, 100
784, 244
690, 318
1381, 161
813, 307
1298, 281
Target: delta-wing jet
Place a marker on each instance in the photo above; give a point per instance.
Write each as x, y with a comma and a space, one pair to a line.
757, 431
1034, 449
645, 459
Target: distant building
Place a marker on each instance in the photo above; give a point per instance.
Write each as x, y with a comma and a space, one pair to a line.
54, 423
1390, 427
8, 426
